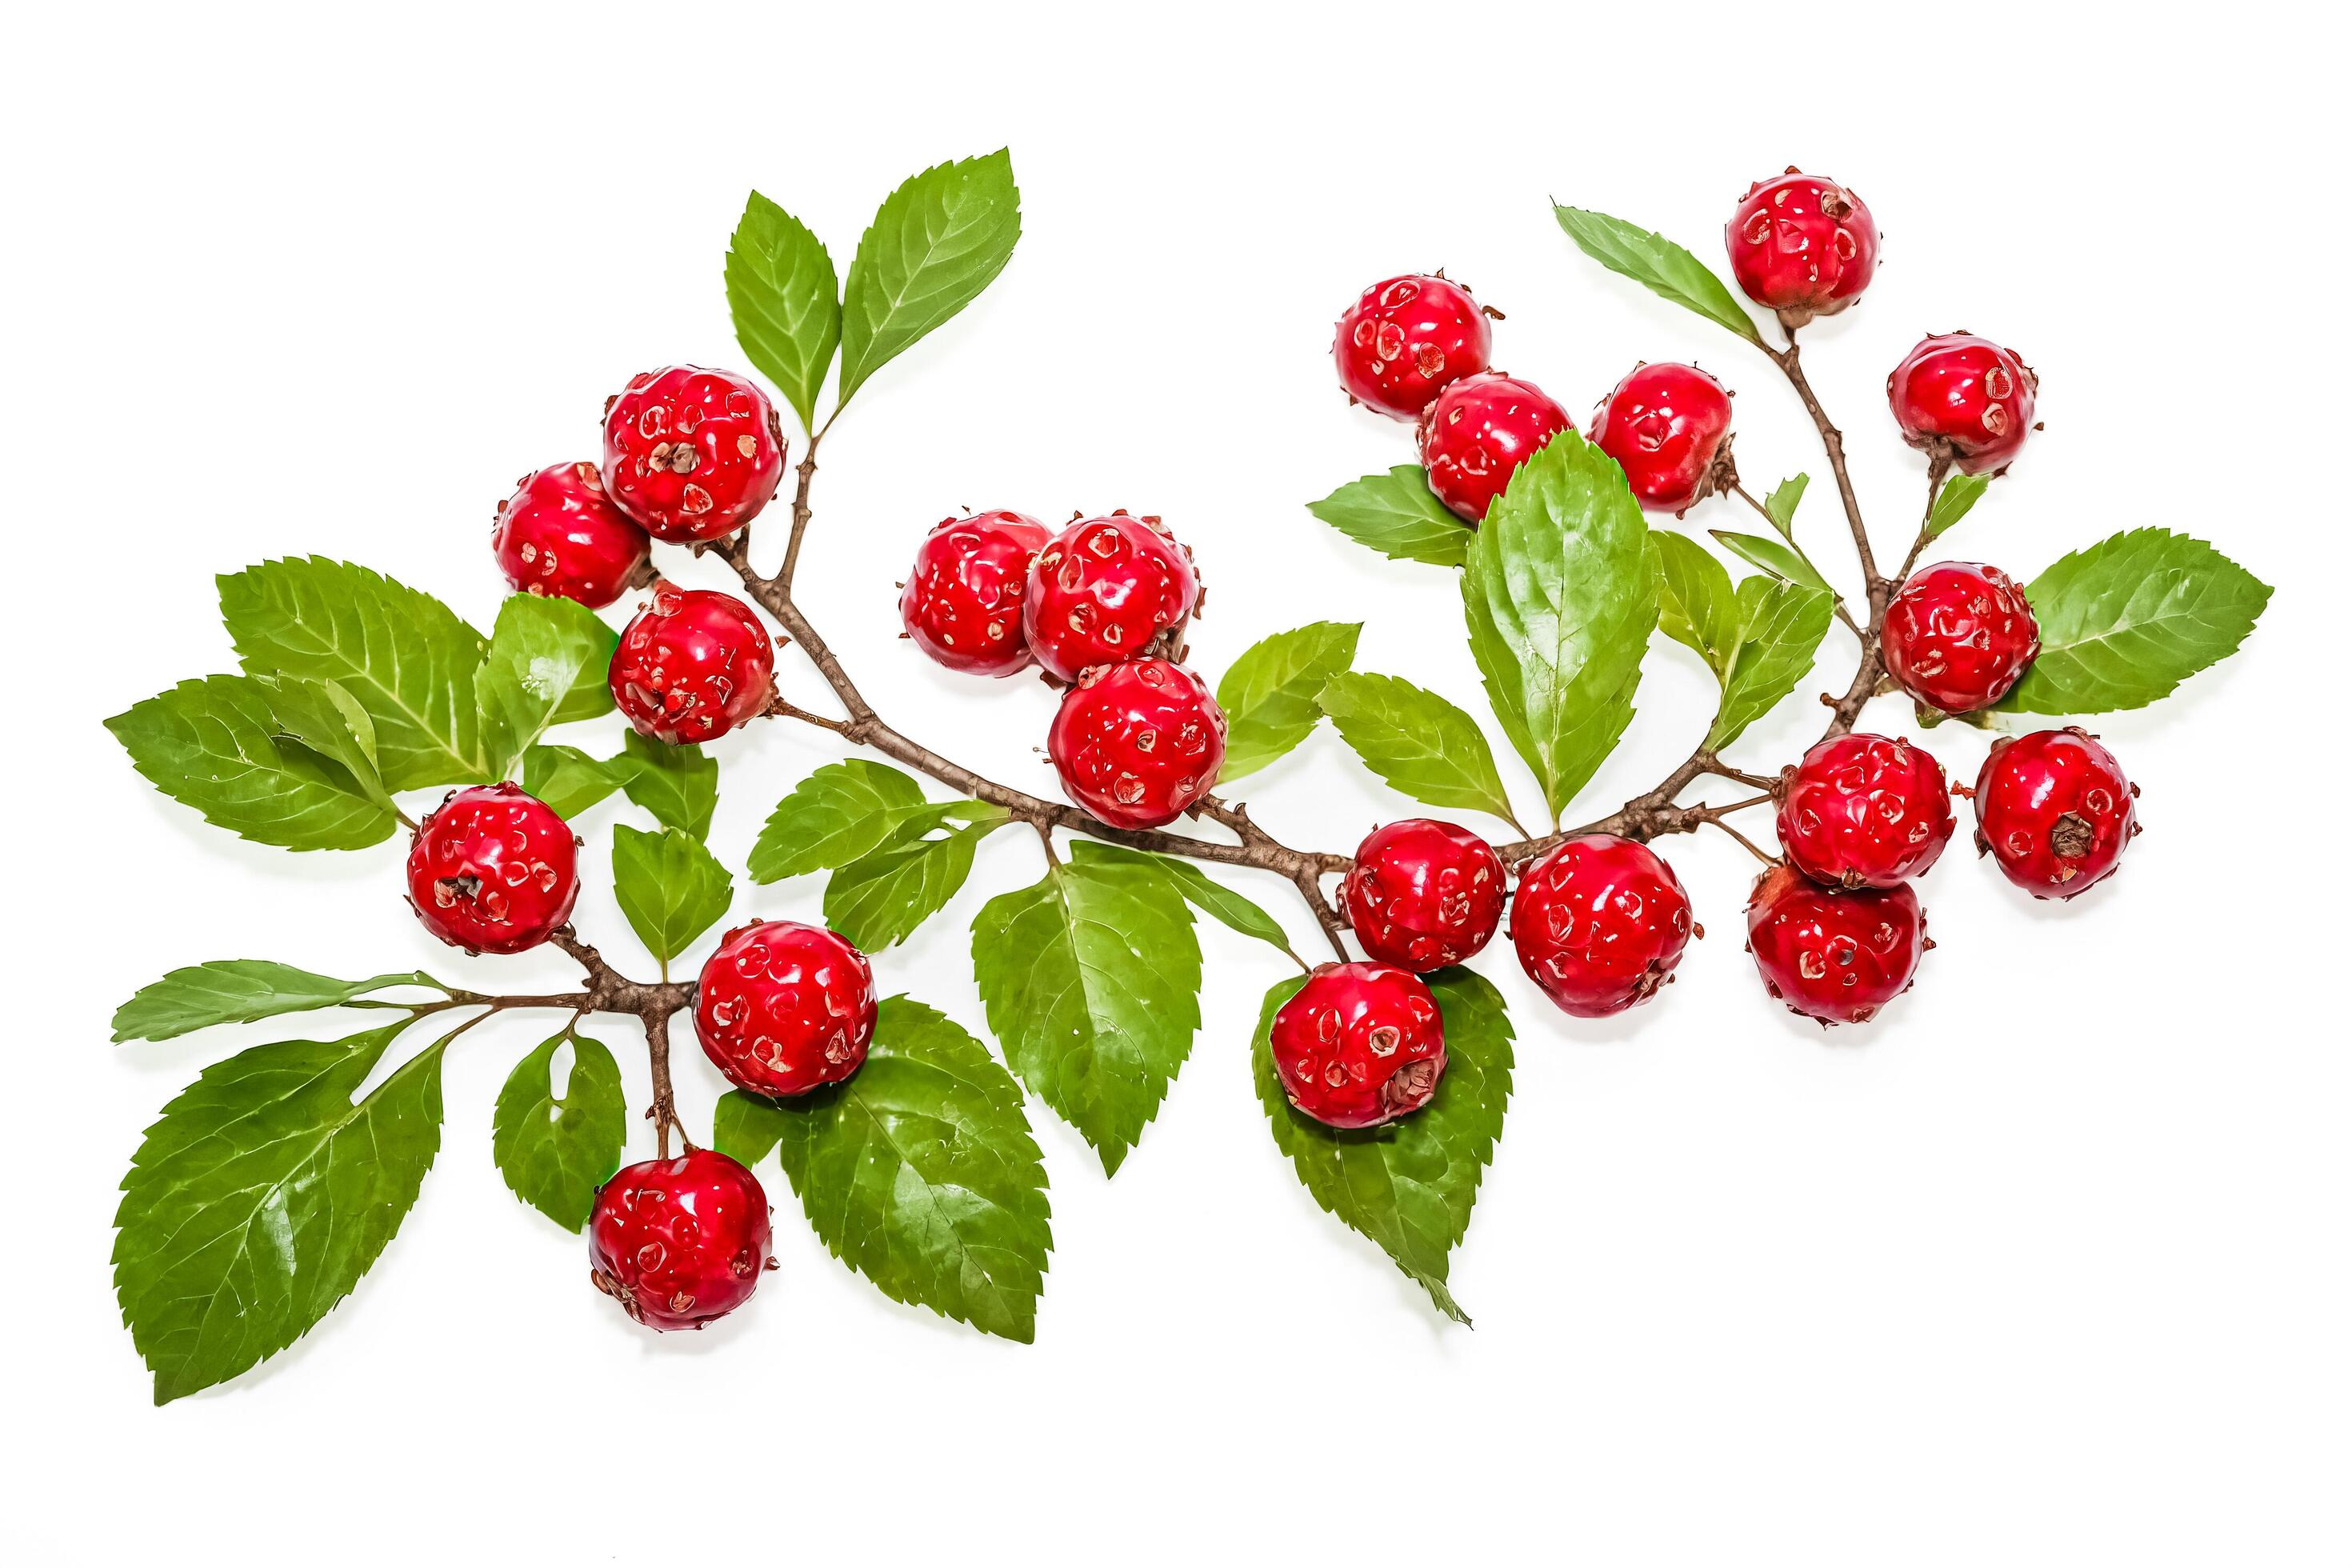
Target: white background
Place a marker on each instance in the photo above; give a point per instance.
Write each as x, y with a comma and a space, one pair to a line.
2048, 1265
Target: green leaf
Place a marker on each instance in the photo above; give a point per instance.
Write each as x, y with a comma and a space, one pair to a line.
782, 294
1092, 981
556, 1152
1783, 561
321, 717
878, 900
215, 744
678, 785
546, 663
2130, 618
937, 242
1417, 741
238, 991
838, 814
1780, 506
670, 887
1781, 627
256, 1201
568, 779
1268, 695
1212, 898
403, 656
1953, 502
1395, 514
1659, 265
1560, 597
918, 1172
1409, 1185
1697, 604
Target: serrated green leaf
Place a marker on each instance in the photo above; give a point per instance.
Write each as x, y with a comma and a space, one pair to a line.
1953, 502
1781, 631
1212, 898
671, 889
1560, 596
878, 900
1696, 604
239, 991
678, 785
1780, 506
568, 779
1658, 264
403, 656
937, 242
1091, 980
1417, 741
1395, 514
546, 664
1268, 695
556, 1152
838, 814
1783, 561
1409, 1185
782, 294
215, 744
262, 1195
321, 717
2128, 619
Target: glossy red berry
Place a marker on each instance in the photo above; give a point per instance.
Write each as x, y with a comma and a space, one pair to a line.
1834, 954
1801, 245
1600, 923
963, 600
1669, 428
784, 1008
693, 665
2055, 809
559, 534
692, 453
1423, 894
1407, 340
1864, 811
492, 870
1358, 1044
1958, 635
1965, 398
679, 1243
1477, 433
1104, 589
1138, 744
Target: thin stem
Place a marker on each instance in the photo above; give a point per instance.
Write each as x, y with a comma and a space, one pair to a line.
808, 472
1715, 821
663, 1111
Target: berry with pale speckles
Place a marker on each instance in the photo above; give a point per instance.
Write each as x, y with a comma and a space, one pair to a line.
1600, 923
1669, 428
1358, 1044
1964, 398
493, 869
693, 665
1407, 340
559, 534
2055, 810
1423, 894
1801, 245
1958, 635
1107, 589
692, 454
679, 1243
784, 1008
963, 600
1138, 744
1864, 811
1477, 433
1833, 954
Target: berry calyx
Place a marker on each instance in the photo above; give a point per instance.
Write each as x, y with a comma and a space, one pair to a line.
1801, 245
1864, 811
690, 453
679, 1243
1138, 744
1964, 398
559, 534
1833, 954
1477, 433
1407, 340
1669, 428
783, 1008
492, 870
1600, 923
1106, 589
963, 600
1358, 1044
2054, 811
1958, 635
1423, 894
693, 665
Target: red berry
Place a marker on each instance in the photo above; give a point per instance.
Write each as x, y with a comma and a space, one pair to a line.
1476, 435
1600, 923
962, 601
693, 665
1358, 1044
492, 870
679, 1243
1104, 589
1965, 398
1669, 428
561, 534
1862, 811
1832, 954
1138, 744
1407, 340
2056, 810
1801, 245
1958, 635
784, 1008
692, 453
1423, 894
